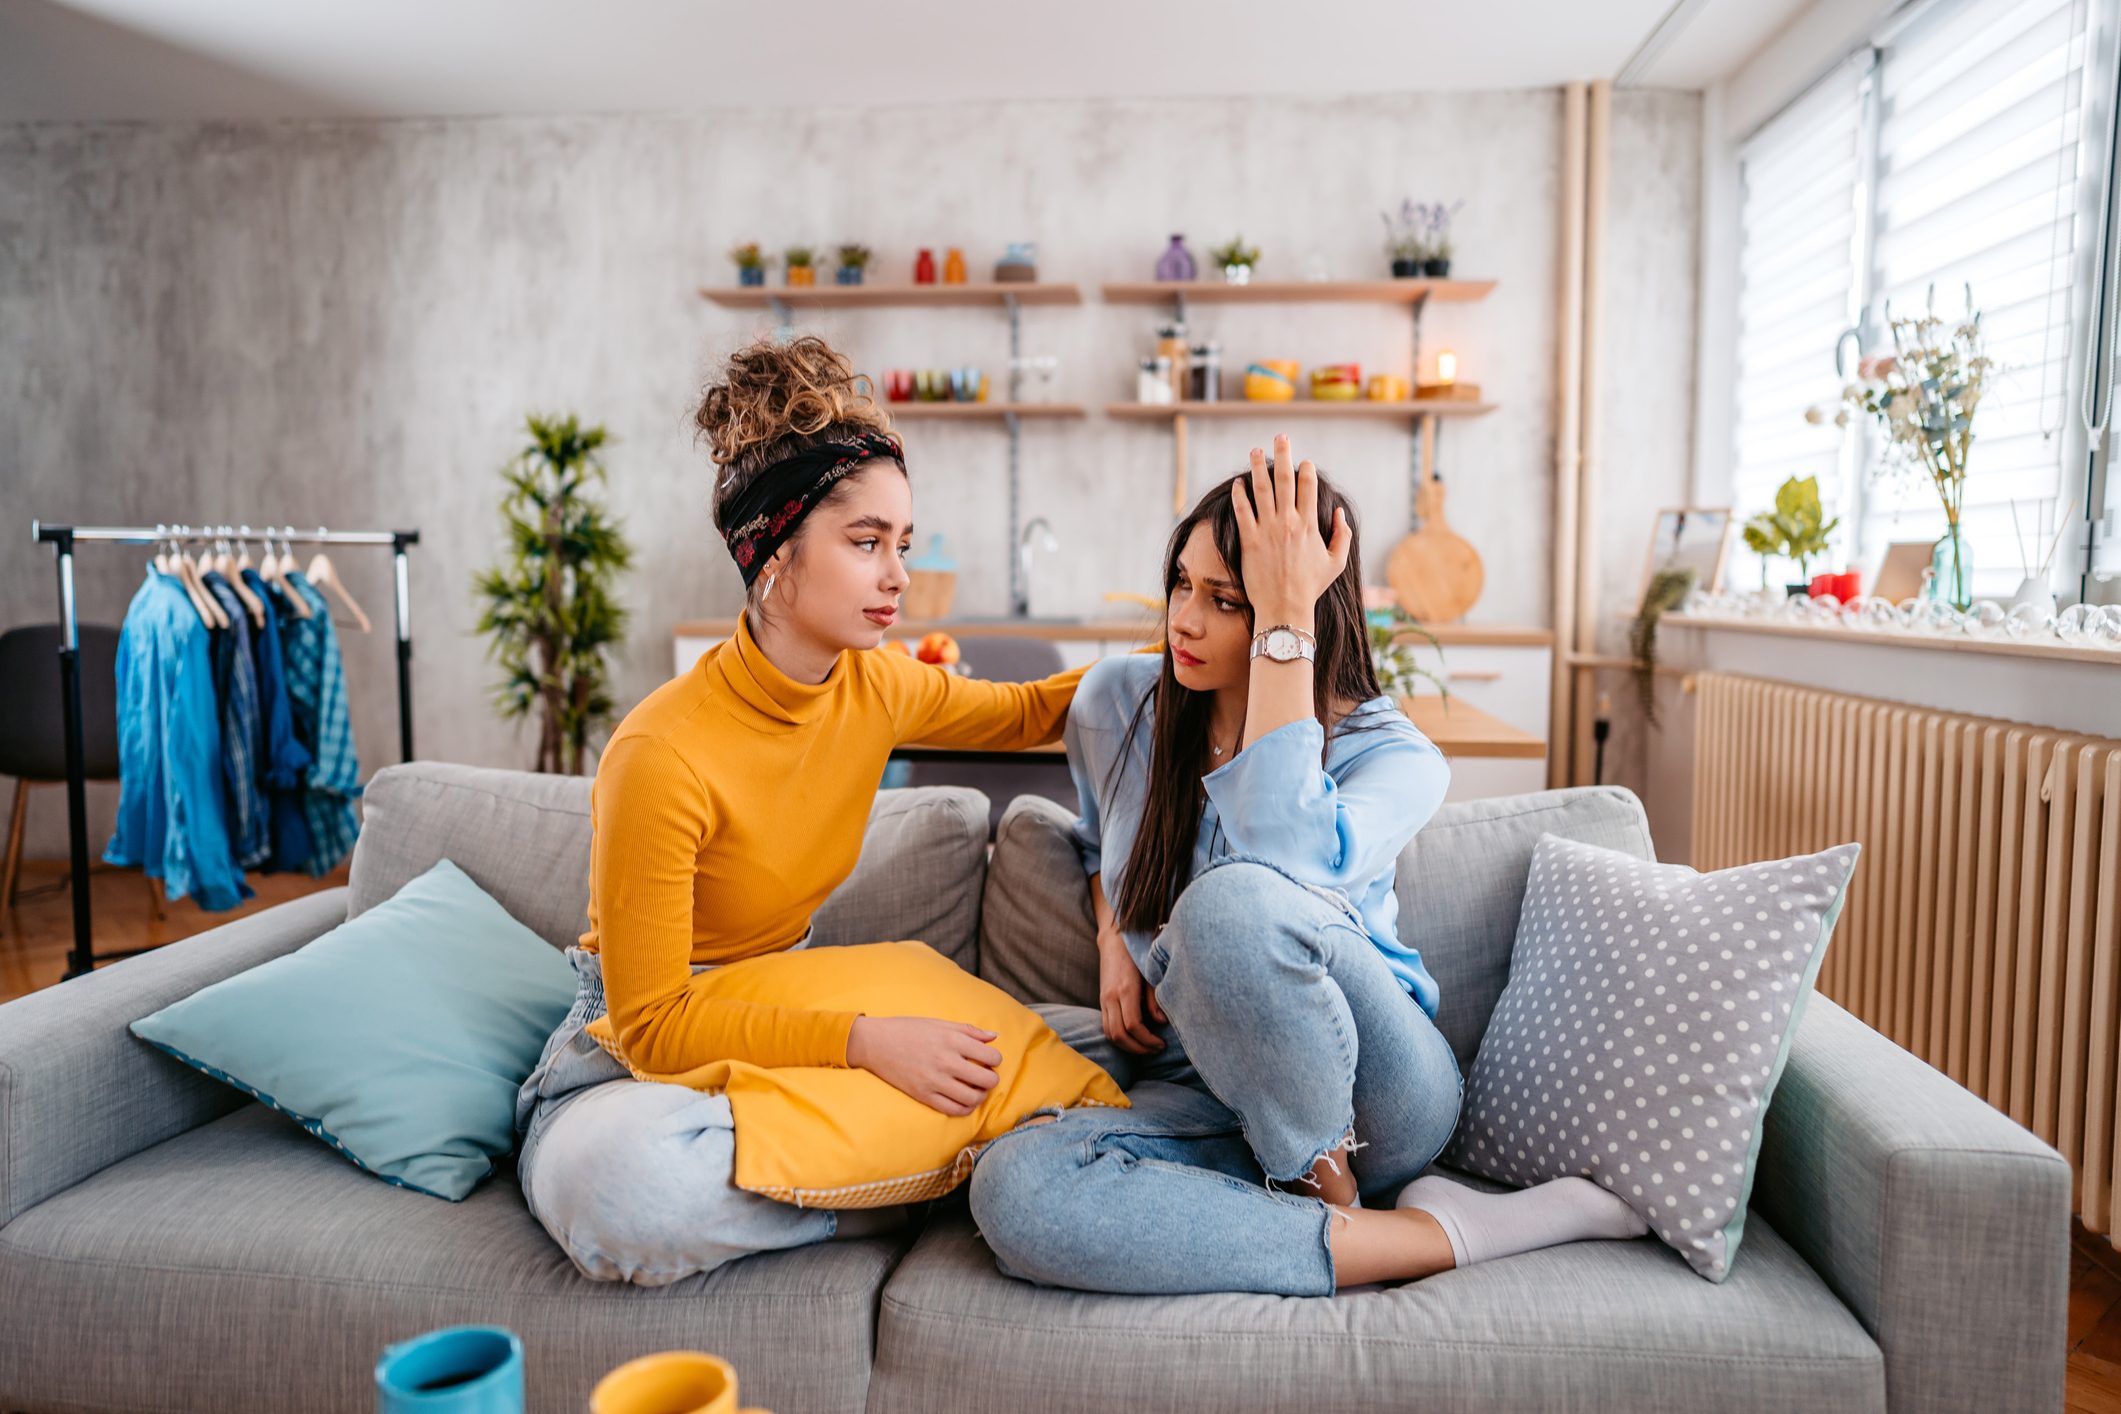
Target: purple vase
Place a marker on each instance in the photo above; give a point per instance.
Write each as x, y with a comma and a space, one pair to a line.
1176, 262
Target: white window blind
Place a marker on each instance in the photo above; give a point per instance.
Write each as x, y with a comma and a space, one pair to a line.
1982, 181
1799, 190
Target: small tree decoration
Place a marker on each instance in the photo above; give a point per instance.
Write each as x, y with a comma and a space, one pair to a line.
750, 264
1922, 396
549, 609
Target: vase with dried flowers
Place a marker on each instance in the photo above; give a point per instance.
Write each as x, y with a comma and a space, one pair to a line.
1922, 396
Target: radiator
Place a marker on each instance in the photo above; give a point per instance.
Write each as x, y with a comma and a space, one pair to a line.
1983, 928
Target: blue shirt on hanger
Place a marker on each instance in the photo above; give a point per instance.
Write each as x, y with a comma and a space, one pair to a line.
172, 817
317, 682
286, 759
242, 737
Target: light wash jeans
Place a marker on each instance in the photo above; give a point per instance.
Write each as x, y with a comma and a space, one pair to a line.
633, 1178
1286, 1028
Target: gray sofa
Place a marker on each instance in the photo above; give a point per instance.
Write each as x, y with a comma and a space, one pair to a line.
166, 1244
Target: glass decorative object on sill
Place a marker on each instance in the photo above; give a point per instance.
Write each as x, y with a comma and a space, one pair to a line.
1952, 569
1986, 620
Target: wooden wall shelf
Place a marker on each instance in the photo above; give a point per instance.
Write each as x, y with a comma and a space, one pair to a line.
978, 412
1416, 291
990, 293
1299, 407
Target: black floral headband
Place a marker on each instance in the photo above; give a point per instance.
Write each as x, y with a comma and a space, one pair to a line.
765, 514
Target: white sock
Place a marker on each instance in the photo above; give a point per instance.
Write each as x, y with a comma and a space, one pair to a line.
1484, 1226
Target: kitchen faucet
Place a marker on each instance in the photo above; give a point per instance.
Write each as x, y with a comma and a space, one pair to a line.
1046, 542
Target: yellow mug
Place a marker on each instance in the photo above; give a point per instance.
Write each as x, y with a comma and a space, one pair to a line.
672, 1382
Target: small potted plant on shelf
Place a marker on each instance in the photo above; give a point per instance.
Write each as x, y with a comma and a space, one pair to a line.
1436, 221
1796, 530
801, 261
1236, 260
1406, 246
1399, 668
854, 259
750, 265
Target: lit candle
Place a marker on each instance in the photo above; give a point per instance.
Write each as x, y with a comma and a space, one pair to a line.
1446, 366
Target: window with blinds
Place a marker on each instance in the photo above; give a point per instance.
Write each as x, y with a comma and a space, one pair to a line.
1799, 191
1982, 183
1961, 153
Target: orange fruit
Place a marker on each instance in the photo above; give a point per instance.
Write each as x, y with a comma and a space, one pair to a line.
938, 648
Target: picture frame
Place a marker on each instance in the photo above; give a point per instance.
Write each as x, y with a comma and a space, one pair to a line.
1695, 536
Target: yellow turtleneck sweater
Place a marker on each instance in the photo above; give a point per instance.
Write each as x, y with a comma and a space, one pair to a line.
731, 803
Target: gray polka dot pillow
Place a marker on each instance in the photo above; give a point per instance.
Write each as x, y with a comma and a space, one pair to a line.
1646, 1020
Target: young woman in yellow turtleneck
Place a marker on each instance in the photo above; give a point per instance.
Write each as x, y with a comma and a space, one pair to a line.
727, 807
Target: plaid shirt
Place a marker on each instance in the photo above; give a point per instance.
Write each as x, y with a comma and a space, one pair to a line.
242, 733
316, 684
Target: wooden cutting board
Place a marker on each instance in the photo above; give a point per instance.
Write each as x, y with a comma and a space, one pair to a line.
1435, 573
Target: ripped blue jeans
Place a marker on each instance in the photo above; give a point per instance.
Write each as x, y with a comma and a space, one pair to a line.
1286, 1031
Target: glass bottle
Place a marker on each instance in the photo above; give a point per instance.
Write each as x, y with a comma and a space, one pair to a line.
954, 267
1171, 346
924, 267
1176, 262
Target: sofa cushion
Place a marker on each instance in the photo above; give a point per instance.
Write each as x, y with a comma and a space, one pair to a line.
241, 1266
1037, 929
1647, 1019
1589, 1325
402, 1056
524, 838
1461, 886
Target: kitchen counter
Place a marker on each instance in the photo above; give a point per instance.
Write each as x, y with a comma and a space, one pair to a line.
1121, 628
1459, 728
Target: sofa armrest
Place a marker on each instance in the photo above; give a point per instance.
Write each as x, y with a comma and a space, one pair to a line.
1941, 1223
78, 1091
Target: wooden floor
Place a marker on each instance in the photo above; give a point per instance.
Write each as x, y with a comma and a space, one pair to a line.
40, 930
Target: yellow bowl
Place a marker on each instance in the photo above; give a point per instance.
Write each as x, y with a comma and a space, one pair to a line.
1334, 392
1266, 388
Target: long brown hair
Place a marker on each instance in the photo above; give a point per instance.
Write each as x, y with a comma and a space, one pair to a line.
1160, 862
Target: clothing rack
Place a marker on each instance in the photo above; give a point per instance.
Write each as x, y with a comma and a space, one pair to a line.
63, 539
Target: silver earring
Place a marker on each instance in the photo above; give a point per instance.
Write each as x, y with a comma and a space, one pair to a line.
769, 586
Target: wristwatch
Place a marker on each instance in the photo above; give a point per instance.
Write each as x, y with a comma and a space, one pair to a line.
1285, 643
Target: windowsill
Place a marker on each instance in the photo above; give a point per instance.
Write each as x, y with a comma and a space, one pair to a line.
1902, 638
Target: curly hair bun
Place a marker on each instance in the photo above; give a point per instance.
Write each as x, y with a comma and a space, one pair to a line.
771, 393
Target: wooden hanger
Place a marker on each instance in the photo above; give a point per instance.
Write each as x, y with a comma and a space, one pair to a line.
324, 576
187, 573
281, 569
226, 564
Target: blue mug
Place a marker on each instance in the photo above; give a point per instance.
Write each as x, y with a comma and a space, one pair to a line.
455, 1370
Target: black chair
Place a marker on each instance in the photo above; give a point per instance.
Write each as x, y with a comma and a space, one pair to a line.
33, 722
1003, 658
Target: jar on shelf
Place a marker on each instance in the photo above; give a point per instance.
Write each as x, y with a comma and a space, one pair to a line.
1153, 383
1204, 374
1171, 347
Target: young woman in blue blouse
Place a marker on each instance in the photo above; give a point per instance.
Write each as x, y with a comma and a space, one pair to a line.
1245, 797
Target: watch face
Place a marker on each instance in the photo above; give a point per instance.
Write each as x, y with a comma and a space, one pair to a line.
1283, 645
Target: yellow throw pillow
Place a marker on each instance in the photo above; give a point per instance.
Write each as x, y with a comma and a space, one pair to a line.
822, 1137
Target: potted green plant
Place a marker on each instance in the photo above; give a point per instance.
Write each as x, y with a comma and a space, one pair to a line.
1236, 260
1406, 246
1398, 668
750, 265
854, 259
548, 608
1796, 530
1436, 221
801, 263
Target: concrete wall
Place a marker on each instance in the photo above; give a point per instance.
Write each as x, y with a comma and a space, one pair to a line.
343, 323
